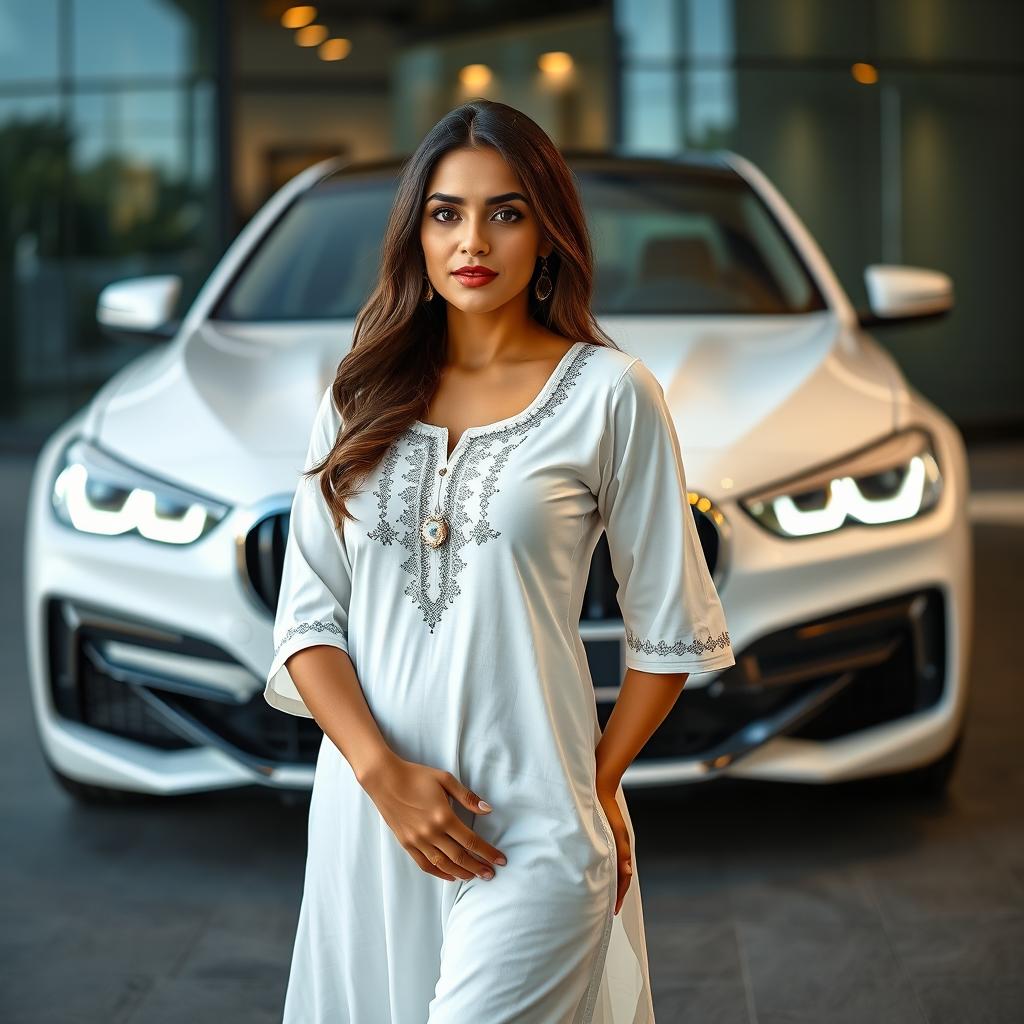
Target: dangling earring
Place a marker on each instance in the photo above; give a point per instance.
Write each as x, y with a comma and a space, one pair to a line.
542, 289
430, 290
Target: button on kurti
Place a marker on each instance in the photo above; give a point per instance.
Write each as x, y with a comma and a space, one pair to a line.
457, 594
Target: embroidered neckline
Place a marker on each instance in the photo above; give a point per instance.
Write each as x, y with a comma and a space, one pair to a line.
483, 453
483, 429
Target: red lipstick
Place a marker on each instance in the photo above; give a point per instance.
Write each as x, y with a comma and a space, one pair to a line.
474, 276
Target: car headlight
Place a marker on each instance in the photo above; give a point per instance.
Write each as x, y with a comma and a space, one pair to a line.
886, 483
97, 493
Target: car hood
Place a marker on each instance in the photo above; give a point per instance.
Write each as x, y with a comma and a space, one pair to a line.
757, 400
227, 410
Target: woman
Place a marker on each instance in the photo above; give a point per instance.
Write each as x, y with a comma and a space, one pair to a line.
474, 444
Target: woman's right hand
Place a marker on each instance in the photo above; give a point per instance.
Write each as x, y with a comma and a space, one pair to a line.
413, 799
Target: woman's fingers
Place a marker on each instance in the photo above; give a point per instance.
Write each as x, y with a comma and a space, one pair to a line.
414, 801
623, 852
465, 865
625, 877
429, 868
440, 860
474, 842
470, 800
466, 852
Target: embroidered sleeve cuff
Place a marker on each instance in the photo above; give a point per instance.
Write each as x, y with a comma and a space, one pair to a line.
693, 658
281, 692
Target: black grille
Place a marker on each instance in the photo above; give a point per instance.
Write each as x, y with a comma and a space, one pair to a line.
254, 728
264, 557
599, 601
118, 709
895, 648
140, 706
709, 538
910, 679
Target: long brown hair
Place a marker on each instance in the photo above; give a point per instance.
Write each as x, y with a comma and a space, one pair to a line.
394, 366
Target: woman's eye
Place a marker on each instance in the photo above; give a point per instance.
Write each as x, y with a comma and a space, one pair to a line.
516, 215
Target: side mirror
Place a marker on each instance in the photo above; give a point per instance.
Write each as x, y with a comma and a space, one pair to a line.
898, 293
140, 306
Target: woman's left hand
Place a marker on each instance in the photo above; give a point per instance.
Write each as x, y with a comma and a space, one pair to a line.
624, 854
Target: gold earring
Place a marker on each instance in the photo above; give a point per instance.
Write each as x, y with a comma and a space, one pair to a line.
542, 289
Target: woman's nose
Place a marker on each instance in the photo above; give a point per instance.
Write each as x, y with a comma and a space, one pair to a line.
473, 241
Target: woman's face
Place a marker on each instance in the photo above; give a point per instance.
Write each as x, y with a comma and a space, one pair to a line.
460, 227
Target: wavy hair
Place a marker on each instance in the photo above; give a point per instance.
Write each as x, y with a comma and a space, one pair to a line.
398, 351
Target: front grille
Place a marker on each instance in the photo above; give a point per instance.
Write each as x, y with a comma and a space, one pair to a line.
709, 537
264, 557
599, 602
265, 544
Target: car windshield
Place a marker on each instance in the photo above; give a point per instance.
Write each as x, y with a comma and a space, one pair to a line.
664, 243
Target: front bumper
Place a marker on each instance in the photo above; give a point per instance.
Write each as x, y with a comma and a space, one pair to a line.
167, 712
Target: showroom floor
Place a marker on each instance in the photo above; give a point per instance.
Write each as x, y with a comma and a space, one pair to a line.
767, 905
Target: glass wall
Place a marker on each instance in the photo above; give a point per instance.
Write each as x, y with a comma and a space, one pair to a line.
136, 138
108, 169
556, 69
917, 167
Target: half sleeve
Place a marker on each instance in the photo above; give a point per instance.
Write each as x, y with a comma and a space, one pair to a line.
674, 620
312, 607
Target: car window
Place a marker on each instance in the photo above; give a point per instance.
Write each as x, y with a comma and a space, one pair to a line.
319, 262
666, 244
663, 244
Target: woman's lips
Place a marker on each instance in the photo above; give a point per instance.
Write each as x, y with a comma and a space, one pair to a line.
474, 280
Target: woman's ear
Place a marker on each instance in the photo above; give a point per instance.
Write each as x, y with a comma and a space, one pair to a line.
546, 249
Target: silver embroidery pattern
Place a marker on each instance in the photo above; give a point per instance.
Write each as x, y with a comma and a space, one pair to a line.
424, 457
308, 627
644, 646
385, 533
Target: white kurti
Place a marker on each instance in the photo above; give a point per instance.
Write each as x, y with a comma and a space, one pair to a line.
470, 658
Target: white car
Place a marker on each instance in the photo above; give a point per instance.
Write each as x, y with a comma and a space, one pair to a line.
829, 495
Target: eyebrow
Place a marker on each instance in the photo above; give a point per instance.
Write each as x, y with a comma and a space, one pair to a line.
492, 201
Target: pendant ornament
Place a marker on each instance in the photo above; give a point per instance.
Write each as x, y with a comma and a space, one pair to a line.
434, 530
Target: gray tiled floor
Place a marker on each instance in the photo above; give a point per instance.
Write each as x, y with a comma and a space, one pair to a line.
768, 905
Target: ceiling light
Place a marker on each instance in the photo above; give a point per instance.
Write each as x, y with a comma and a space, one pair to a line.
298, 16
311, 35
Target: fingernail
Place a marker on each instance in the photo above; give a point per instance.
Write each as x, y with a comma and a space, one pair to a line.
485, 805
488, 874
501, 859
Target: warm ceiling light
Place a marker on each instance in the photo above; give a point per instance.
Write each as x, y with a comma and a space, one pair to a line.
311, 35
298, 16
335, 49
866, 74
475, 76
555, 62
